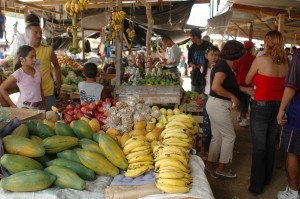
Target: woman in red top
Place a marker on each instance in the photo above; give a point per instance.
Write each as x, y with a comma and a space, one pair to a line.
267, 74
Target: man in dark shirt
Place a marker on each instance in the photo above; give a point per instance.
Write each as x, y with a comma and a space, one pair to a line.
196, 59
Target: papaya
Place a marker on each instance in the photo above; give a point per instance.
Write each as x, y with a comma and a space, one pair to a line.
31, 180
95, 125
49, 123
58, 143
112, 151
44, 130
32, 128
90, 145
44, 159
78, 168
20, 145
66, 178
21, 130
62, 128
17, 163
69, 155
82, 129
97, 163
36, 139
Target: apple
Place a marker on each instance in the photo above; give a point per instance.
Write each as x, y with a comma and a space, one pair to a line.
76, 111
90, 114
176, 111
68, 118
163, 111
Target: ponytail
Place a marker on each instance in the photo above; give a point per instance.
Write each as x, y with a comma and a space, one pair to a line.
18, 65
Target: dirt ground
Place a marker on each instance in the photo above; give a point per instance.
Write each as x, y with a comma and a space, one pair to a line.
237, 188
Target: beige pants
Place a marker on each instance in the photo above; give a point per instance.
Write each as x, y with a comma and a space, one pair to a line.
223, 135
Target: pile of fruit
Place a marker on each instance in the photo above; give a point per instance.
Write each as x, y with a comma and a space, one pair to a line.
86, 111
192, 99
165, 78
66, 61
37, 156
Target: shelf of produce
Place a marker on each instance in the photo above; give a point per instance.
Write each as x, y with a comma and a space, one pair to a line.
157, 94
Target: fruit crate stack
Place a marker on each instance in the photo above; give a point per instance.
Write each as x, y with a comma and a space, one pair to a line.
157, 94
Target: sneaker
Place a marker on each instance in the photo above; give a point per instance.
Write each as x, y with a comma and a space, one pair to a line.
244, 122
239, 118
287, 194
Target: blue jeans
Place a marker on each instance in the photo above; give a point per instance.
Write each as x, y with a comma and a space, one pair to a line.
206, 127
49, 101
264, 130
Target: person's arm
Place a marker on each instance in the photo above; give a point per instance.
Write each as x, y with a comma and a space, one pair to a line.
43, 105
57, 70
252, 72
288, 95
219, 90
3, 90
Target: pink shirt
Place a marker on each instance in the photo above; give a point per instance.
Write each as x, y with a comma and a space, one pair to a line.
30, 87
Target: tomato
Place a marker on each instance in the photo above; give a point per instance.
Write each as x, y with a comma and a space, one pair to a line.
100, 109
90, 114
78, 106
68, 118
70, 112
70, 107
84, 109
79, 115
76, 111
92, 106
85, 103
98, 103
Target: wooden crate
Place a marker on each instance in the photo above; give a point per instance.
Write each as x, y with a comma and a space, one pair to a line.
157, 94
23, 114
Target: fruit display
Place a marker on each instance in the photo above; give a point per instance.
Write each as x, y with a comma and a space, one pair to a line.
172, 154
191, 99
155, 77
68, 64
139, 155
116, 23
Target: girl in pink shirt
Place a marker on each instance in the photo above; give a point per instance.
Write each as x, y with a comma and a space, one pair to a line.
28, 78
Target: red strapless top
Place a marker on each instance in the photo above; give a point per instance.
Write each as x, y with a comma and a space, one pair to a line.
268, 88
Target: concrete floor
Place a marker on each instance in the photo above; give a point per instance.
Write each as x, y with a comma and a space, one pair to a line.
237, 188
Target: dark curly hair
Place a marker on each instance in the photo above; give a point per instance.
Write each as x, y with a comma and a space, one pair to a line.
232, 50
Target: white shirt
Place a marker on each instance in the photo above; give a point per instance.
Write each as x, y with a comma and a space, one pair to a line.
89, 92
207, 85
173, 54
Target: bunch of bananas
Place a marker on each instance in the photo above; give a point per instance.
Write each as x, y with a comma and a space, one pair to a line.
139, 155
172, 155
73, 7
131, 33
116, 23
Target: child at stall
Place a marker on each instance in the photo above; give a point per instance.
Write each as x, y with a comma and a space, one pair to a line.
29, 80
211, 58
89, 90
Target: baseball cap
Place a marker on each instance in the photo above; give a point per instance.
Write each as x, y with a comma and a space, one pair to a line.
248, 44
195, 32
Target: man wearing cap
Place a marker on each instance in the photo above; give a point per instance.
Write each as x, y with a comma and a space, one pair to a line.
241, 69
196, 58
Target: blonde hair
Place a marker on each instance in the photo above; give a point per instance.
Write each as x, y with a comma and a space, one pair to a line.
274, 47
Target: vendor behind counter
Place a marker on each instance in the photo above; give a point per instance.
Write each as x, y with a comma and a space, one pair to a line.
173, 54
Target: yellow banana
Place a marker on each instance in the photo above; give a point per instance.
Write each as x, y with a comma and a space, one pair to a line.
169, 130
183, 116
172, 189
176, 142
143, 152
179, 134
67, 6
140, 164
171, 162
173, 182
141, 148
171, 169
135, 138
171, 174
181, 158
140, 158
187, 180
176, 123
132, 173
133, 145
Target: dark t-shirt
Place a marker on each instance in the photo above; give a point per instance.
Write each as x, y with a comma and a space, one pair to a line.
196, 55
230, 84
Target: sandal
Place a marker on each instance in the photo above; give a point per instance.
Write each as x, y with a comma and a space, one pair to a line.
211, 172
229, 174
